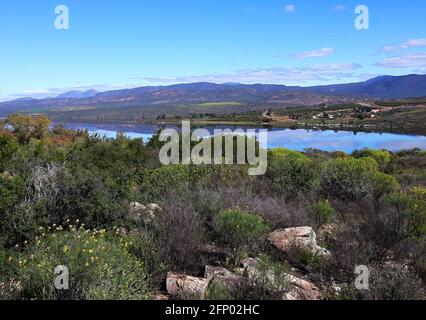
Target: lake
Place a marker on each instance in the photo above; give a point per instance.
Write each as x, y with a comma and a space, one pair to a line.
300, 139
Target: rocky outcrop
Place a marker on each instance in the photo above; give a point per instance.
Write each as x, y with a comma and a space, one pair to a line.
186, 287
300, 237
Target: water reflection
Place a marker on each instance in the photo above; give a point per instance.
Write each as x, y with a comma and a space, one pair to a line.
299, 139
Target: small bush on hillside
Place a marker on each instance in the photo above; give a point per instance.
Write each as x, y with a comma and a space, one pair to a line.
178, 233
410, 214
322, 213
240, 230
384, 184
348, 179
291, 173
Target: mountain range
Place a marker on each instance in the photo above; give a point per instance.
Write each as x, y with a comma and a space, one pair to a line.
384, 87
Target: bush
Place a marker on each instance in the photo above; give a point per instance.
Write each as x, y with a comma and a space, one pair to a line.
322, 213
291, 173
394, 283
269, 278
384, 184
99, 263
410, 215
348, 179
240, 230
382, 157
15, 224
157, 184
178, 233
8, 147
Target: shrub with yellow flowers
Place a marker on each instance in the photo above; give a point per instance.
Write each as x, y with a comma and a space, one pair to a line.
99, 263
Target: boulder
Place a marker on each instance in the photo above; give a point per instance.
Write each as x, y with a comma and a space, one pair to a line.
303, 237
186, 287
222, 276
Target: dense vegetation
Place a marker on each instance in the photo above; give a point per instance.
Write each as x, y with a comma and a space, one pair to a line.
67, 198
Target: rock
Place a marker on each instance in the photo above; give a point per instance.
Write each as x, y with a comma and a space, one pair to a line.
186, 287
304, 289
303, 237
297, 288
223, 276
160, 297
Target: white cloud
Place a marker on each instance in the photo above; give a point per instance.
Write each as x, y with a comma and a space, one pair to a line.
410, 43
290, 8
278, 75
412, 60
323, 52
339, 7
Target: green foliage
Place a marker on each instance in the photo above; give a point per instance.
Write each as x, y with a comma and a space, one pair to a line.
348, 179
28, 127
322, 212
291, 173
99, 264
158, 184
218, 291
240, 229
384, 184
14, 225
272, 274
382, 157
267, 278
411, 209
87, 195
8, 147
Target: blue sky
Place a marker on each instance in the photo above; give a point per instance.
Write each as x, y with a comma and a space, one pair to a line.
129, 43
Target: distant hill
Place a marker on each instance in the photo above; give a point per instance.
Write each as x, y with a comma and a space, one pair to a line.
76, 94
385, 87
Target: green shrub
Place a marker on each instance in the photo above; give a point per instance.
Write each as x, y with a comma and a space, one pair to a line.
382, 157
268, 278
411, 214
8, 146
218, 291
157, 184
384, 184
99, 263
322, 213
15, 223
348, 179
240, 229
291, 173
